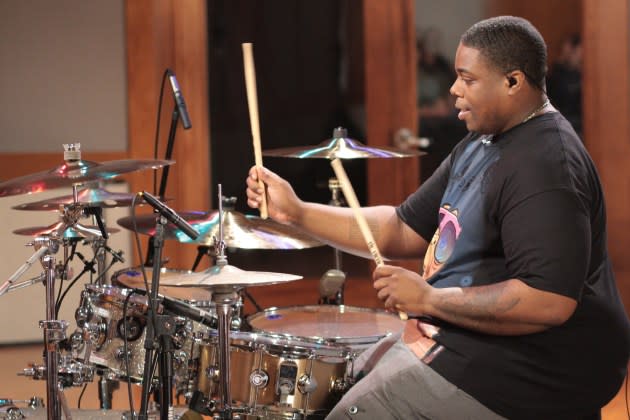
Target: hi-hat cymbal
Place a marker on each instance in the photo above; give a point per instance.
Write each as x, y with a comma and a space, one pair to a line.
75, 231
227, 276
94, 197
341, 147
76, 172
239, 230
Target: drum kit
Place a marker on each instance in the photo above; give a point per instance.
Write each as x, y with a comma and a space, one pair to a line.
184, 331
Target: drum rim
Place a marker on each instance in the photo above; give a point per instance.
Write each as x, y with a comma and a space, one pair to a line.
121, 293
319, 340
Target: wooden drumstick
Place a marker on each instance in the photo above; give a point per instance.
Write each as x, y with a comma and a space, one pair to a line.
252, 102
351, 197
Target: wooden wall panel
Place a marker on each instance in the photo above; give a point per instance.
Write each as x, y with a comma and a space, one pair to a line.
389, 44
164, 34
555, 19
607, 116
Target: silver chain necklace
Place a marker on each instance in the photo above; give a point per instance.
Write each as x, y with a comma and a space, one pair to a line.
486, 141
536, 111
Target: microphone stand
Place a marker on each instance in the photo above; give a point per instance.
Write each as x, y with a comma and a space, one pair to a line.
169, 153
337, 272
162, 327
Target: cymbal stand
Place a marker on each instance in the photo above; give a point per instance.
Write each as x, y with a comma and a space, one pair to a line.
335, 276
162, 327
54, 330
54, 333
224, 297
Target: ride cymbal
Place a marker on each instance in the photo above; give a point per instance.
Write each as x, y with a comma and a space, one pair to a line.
239, 231
341, 147
134, 279
220, 276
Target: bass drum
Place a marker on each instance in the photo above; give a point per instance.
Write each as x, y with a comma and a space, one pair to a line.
295, 360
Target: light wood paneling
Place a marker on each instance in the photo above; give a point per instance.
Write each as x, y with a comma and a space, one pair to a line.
390, 96
607, 117
164, 34
13, 165
555, 19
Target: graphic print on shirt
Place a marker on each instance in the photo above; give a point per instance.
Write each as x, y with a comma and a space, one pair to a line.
443, 241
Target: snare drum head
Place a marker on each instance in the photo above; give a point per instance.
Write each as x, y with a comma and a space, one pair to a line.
327, 324
132, 278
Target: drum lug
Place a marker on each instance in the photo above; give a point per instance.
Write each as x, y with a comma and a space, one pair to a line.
307, 384
120, 353
76, 341
259, 378
340, 386
212, 372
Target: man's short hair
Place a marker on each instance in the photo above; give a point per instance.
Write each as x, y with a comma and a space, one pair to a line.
510, 43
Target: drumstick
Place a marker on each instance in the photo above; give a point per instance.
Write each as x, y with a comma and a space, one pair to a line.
252, 102
348, 192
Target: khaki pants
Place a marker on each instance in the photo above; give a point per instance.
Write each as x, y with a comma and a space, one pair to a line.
395, 384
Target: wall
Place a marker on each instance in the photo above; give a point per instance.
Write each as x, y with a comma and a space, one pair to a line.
450, 17
62, 80
63, 75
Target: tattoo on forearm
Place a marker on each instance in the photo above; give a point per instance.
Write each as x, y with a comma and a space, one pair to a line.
486, 304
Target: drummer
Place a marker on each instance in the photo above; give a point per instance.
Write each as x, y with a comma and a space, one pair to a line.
516, 313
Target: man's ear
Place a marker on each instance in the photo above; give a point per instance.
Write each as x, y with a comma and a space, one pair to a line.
515, 79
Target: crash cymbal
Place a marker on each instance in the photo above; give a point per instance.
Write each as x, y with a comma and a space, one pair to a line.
132, 278
75, 231
239, 230
221, 276
341, 147
76, 172
94, 197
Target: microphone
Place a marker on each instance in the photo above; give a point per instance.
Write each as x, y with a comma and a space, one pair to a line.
170, 215
331, 283
117, 255
179, 100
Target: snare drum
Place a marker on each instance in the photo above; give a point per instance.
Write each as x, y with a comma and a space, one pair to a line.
294, 361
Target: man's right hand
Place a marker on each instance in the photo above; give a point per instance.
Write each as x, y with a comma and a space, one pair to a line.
283, 205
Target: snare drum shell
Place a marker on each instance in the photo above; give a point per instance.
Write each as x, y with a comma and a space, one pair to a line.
249, 360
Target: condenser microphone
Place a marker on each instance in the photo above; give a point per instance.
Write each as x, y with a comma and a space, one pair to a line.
179, 100
171, 216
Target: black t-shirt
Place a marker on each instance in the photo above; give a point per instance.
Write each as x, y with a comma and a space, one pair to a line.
528, 205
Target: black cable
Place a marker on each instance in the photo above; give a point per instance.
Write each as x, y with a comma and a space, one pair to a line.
126, 351
63, 295
139, 250
157, 131
151, 308
64, 272
81, 396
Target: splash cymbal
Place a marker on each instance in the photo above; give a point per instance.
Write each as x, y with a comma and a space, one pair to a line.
76, 172
94, 197
340, 147
75, 231
239, 230
227, 276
